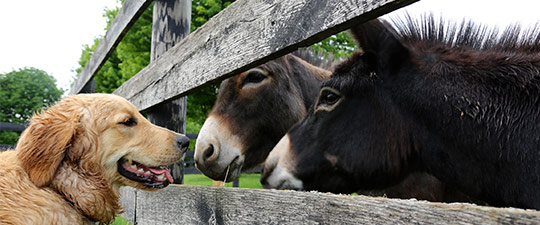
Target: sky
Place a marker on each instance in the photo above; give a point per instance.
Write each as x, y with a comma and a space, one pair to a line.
49, 35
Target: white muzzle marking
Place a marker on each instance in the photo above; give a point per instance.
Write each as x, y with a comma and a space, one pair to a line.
226, 145
279, 162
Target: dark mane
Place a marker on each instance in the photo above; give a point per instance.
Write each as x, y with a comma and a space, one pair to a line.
469, 34
480, 53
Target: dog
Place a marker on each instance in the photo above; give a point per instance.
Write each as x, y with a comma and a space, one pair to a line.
70, 162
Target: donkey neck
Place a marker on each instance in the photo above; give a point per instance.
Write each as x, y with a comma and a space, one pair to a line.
473, 116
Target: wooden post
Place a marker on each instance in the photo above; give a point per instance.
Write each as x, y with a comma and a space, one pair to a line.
171, 23
90, 87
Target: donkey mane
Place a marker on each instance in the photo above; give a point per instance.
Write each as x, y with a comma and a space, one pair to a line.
467, 48
467, 33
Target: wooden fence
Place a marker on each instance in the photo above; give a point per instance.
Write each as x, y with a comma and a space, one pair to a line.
10, 127
244, 35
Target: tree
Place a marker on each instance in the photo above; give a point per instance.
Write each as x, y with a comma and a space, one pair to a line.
203, 10
24, 92
130, 56
338, 46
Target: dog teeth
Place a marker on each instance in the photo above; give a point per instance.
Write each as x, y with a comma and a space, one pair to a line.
140, 170
147, 173
134, 166
130, 161
161, 177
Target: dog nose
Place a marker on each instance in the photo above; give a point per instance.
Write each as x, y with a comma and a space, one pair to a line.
183, 143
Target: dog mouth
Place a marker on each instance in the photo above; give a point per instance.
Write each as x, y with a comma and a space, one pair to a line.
151, 177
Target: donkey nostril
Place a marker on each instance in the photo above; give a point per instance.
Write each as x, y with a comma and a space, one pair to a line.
208, 153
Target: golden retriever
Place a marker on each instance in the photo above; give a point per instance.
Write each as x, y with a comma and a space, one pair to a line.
70, 162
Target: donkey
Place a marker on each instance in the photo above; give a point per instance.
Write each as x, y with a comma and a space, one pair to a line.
458, 101
253, 110
256, 108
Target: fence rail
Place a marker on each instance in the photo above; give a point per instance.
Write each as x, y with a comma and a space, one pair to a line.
126, 17
4, 147
245, 34
12, 127
220, 205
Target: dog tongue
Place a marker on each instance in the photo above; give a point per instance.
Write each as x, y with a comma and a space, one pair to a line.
161, 171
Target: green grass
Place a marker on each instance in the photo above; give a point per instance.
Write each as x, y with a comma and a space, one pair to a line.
251, 180
120, 221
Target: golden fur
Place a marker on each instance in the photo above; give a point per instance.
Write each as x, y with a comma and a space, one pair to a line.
64, 169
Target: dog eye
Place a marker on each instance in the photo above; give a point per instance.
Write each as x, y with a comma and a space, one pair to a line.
254, 76
130, 122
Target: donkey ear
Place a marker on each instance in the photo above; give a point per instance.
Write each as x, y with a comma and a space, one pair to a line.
379, 38
41, 147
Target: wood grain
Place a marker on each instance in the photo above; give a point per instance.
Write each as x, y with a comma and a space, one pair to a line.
245, 34
126, 17
183, 204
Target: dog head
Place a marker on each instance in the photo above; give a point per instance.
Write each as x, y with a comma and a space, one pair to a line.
87, 146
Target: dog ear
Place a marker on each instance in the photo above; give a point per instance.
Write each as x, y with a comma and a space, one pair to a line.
41, 147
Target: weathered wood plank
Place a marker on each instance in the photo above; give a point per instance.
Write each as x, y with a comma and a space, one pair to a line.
128, 14
183, 204
247, 33
128, 200
90, 87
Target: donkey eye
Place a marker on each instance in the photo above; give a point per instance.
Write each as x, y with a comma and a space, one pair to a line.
254, 76
129, 122
328, 98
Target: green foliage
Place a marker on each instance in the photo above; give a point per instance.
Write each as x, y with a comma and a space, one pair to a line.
130, 56
133, 54
200, 102
203, 10
9, 137
24, 92
120, 221
338, 46
199, 105
134, 50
